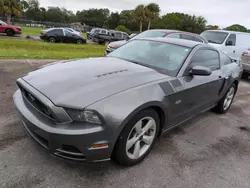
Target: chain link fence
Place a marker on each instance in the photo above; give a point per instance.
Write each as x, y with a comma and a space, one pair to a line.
31, 23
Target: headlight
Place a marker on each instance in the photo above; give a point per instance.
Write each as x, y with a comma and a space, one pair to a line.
84, 116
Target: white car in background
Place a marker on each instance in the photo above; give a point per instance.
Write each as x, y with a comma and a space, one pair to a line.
230, 42
245, 60
73, 31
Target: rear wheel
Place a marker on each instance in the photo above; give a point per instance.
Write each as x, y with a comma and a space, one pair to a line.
137, 138
225, 103
52, 39
79, 41
10, 32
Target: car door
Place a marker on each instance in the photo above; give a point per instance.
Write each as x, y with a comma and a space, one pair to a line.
196, 93
69, 37
57, 33
118, 36
230, 45
125, 36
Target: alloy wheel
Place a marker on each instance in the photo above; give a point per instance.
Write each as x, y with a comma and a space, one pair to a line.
141, 137
229, 98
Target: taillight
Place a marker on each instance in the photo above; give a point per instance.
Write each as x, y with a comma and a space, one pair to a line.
43, 33
245, 53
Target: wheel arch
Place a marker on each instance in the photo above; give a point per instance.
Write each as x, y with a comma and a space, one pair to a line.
236, 82
155, 105
10, 29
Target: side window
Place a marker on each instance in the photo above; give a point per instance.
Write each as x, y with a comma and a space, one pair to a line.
231, 40
206, 58
125, 36
118, 35
68, 33
176, 36
198, 39
225, 59
103, 32
56, 32
97, 31
187, 37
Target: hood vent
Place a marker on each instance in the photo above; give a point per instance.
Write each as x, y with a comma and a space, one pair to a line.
110, 73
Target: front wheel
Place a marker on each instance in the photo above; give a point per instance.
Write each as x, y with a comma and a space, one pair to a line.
225, 103
10, 32
137, 138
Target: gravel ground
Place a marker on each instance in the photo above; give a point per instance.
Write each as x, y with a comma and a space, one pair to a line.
209, 151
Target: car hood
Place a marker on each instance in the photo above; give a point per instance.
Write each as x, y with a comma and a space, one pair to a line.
117, 44
79, 83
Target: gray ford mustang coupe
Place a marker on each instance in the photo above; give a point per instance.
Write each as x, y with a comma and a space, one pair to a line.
116, 106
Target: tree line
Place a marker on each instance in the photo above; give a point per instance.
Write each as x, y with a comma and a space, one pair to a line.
141, 18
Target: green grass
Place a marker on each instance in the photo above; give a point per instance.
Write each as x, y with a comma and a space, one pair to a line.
32, 30
35, 31
29, 49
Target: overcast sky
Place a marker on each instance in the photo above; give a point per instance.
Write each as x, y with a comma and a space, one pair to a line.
217, 12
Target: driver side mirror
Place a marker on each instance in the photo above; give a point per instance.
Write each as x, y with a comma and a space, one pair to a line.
200, 71
229, 43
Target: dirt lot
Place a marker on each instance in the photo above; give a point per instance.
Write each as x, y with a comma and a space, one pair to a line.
209, 151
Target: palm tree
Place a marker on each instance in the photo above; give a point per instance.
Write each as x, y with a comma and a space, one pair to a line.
152, 12
10, 7
139, 15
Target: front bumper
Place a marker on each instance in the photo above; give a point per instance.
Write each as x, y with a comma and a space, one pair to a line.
42, 37
61, 141
18, 32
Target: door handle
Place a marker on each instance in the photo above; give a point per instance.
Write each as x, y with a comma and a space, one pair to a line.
234, 51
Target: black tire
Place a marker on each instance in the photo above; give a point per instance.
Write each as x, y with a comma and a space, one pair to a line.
79, 41
52, 39
10, 32
120, 153
245, 75
219, 108
101, 42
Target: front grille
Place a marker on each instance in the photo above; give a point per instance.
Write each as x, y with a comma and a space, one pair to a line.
35, 102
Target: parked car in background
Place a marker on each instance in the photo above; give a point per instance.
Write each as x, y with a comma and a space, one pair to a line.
110, 36
94, 31
158, 33
10, 30
132, 35
74, 31
116, 106
61, 35
231, 42
245, 60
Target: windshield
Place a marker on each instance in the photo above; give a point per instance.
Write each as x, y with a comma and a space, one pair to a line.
216, 37
3, 23
150, 33
163, 57
70, 29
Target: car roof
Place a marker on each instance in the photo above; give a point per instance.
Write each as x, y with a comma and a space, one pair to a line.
229, 31
181, 42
